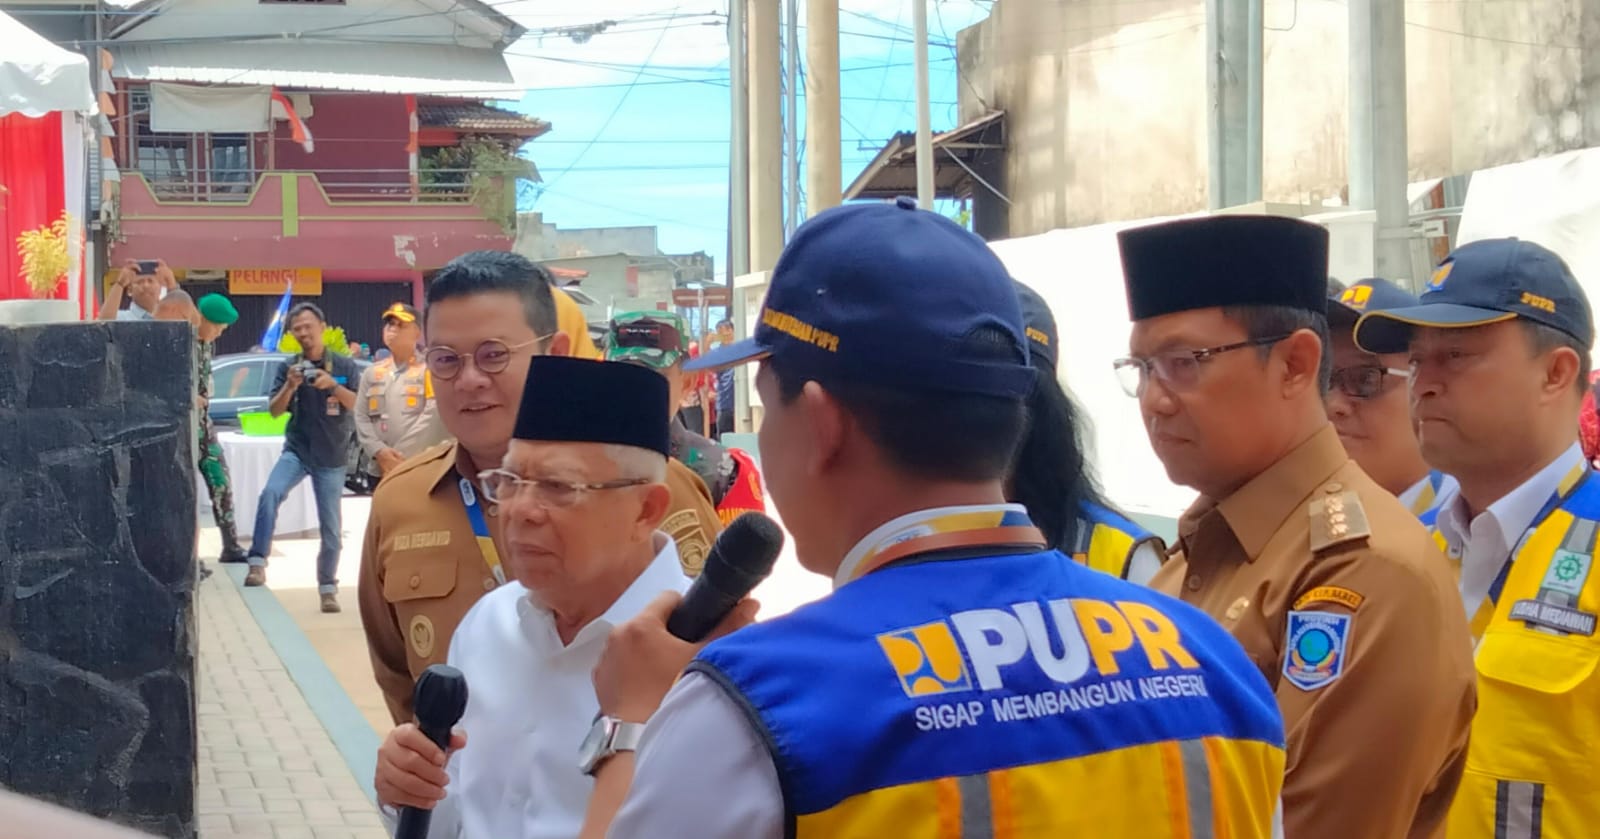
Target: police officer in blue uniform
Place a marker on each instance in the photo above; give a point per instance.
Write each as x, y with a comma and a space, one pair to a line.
961, 678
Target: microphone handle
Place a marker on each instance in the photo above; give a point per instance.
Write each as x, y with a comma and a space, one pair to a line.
703, 607
414, 821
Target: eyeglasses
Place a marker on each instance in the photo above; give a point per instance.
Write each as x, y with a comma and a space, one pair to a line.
1179, 369
491, 356
1364, 381
501, 486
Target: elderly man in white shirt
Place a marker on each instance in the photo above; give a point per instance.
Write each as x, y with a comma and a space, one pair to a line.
582, 492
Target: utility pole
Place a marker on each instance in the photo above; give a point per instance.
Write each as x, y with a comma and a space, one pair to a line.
738, 148
822, 106
766, 137
919, 20
1378, 166
1233, 86
791, 120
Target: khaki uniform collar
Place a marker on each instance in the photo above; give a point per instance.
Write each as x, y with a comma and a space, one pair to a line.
1258, 509
448, 463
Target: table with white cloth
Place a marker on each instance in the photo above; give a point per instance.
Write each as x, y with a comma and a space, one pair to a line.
250, 461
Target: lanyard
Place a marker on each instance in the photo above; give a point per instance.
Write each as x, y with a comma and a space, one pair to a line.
1006, 536
480, 529
1568, 486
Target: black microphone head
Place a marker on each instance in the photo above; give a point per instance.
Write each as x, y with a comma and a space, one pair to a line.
747, 548
440, 697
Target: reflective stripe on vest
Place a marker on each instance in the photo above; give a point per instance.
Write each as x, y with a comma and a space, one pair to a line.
1530, 764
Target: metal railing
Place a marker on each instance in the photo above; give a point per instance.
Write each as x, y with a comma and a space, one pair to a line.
435, 186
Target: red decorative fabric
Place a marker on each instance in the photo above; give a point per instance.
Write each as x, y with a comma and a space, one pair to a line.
1589, 422
34, 192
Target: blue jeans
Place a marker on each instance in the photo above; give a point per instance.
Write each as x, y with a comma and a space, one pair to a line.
328, 486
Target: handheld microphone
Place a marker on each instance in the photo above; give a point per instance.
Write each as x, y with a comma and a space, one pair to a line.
439, 701
739, 560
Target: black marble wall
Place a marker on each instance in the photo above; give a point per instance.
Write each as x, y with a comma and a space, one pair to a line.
97, 570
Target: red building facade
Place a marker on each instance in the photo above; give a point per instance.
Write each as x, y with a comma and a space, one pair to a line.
351, 212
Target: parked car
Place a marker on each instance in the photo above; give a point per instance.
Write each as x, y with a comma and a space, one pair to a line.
242, 383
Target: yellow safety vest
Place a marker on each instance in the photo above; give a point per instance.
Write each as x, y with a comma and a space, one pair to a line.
1106, 541
1531, 762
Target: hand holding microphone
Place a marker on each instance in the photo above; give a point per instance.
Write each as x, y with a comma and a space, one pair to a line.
644, 656
411, 761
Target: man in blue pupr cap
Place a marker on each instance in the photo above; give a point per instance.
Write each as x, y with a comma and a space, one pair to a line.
960, 672
1499, 348
1369, 403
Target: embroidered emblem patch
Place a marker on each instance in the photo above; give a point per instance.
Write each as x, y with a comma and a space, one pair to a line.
1440, 274
421, 636
1316, 649
1567, 573
1330, 594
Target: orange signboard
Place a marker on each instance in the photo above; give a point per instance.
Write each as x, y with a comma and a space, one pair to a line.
307, 281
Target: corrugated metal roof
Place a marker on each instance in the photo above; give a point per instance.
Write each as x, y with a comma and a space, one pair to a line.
372, 68
476, 116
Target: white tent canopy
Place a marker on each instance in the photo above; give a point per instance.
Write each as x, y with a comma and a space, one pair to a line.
37, 77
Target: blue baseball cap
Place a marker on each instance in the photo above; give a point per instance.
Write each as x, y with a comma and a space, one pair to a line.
1486, 282
1370, 295
889, 294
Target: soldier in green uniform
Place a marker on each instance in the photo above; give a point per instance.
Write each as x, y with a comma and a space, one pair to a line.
216, 314
660, 340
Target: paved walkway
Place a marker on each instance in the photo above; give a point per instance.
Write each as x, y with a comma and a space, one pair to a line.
269, 768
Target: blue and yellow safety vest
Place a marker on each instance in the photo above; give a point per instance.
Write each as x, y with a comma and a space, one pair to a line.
1106, 540
1531, 762
1014, 695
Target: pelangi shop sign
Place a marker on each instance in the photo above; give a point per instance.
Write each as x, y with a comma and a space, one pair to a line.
306, 281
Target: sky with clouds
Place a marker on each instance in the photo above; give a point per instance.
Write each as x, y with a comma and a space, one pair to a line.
641, 110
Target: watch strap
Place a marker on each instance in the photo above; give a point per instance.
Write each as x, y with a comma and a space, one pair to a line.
627, 737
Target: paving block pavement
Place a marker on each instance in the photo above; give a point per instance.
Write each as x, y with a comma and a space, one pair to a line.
268, 767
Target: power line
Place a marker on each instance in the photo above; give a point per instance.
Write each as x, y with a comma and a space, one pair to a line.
621, 100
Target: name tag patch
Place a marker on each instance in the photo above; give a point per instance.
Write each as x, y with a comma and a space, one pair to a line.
1330, 594
1550, 616
1315, 653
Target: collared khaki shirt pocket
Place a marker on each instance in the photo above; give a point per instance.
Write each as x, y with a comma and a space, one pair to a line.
419, 586
375, 400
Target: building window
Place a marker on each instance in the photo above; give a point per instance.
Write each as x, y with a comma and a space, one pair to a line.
196, 167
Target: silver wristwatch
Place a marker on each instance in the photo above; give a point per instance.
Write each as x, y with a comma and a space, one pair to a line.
607, 736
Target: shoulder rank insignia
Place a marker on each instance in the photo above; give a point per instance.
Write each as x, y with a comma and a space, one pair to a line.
1336, 518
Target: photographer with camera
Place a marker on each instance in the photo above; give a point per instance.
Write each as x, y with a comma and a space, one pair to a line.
144, 283
315, 388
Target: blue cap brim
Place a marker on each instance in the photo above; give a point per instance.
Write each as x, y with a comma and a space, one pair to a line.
729, 355
1389, 330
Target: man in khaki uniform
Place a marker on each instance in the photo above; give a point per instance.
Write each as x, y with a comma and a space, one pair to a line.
396, 417
424, 562
1333, 587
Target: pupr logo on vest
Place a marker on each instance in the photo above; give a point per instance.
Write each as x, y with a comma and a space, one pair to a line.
1066, 640
926, 659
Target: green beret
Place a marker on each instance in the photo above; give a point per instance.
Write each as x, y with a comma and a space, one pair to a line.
218, 309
